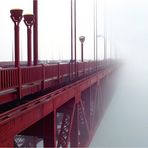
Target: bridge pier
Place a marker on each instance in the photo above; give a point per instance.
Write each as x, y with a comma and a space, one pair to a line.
48, 130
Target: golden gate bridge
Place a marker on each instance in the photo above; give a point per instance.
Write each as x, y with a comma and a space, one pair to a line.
60, 103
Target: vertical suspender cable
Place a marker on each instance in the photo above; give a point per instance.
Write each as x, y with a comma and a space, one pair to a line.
71, 62
75, 36
105, 32
35, 31
71, 30
94, 13
96, 30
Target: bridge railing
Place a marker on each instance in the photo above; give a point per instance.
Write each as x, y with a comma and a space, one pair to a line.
86, 67
64, 69
31, 79
80, 69
51, 71
31, 74
8, 78
93, 67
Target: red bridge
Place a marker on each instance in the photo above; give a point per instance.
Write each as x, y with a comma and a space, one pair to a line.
60, 104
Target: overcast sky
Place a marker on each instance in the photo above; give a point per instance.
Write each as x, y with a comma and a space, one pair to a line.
126, 25
129, 27
125, 122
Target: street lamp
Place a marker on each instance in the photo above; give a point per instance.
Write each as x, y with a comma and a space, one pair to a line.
82, 39
16, 16
29, 20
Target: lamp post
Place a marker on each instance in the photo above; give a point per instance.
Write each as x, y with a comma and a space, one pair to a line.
29, 20
82, 39
16, 16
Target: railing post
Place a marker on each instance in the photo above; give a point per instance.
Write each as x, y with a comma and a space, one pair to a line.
43, 77
59, 74
29, 20
20, 83
0, 80
82, 39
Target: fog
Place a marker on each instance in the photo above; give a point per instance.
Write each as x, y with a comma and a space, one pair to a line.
128, 27
125, 123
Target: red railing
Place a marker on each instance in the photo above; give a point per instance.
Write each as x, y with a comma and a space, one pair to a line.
31, 74
64, 69
80, 68
8, 78
31, 79
51, 71
87, 67
92, 66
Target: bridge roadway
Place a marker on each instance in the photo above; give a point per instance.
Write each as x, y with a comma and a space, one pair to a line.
65, 117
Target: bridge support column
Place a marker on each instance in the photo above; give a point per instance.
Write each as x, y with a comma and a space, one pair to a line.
48, 130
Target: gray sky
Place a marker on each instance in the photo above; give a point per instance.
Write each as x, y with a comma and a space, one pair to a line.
129, 27
126, 25
125, 122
